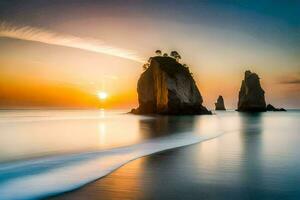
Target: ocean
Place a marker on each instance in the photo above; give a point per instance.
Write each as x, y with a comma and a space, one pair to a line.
228, 155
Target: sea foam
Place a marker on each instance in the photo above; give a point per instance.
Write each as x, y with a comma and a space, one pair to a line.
38, 178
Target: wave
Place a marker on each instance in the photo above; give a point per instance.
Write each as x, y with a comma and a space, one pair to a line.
40, 178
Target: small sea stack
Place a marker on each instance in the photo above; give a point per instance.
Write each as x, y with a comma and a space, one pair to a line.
251, 94
272, 108
220, 103
168, 87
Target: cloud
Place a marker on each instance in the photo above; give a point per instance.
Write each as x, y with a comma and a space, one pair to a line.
292, 79
49, 37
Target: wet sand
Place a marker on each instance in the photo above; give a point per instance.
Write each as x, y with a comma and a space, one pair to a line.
132, 181
252, 163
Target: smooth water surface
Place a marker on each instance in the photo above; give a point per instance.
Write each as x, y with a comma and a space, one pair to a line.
260, 160
241, 156
49, 152
34, 133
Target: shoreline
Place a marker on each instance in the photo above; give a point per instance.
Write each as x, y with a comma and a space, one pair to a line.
90, 171
130, 161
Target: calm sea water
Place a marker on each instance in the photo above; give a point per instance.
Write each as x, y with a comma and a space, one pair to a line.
241, 156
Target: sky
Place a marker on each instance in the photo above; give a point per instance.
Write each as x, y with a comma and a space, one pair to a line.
57, 53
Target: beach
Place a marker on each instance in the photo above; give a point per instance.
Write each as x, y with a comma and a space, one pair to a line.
259, 161
149, 100
227, 154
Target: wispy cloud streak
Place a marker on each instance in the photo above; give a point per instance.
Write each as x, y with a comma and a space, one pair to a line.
49, 37
291, 79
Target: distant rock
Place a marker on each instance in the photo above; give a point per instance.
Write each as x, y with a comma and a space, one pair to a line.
220, 103
167, 87
272, 108
251, 95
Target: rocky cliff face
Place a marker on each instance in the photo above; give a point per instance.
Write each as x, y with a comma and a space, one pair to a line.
220, 103
167, 87
251, 95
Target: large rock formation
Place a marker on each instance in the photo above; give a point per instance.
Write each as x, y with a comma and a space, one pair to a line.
251, 95
167, 87
220, 103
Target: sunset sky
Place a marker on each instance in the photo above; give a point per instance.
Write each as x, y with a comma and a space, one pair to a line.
63, 53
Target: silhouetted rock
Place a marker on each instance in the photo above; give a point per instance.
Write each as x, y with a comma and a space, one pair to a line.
167, 87
272, 108
220, 103
251, 95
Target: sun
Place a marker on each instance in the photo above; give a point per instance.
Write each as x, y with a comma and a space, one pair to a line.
102, 95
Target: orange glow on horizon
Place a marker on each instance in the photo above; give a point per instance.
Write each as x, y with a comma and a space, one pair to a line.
29, 92
21, 92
